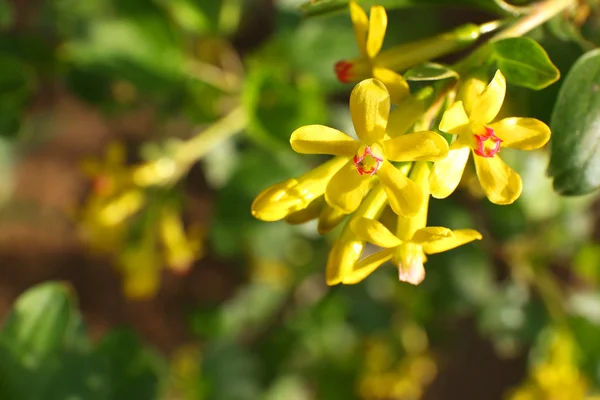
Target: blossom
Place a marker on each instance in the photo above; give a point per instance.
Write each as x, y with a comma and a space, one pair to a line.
348, 248
371, 154
408, 248
328, 217
370, 33
294, 195
383, 65
470, 119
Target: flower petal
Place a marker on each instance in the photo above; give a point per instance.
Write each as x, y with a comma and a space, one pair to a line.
454, 118
405, 196
329, 218
445, 175
370, 108
366, 266
360, 21
320, 139
418, 146
489, 103
500, 183
522, 133
377, 27
410, 259
470, 90
375, 232
347, 188
458, 238
394, 82
431, 234
343, 256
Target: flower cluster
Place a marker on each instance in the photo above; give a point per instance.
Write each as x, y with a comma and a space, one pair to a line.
391, 164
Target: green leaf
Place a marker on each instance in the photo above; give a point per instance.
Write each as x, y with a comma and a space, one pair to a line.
16, 85
39, 323
575, 122
319, 7
134, 370
524, 63
6, 14
430, 72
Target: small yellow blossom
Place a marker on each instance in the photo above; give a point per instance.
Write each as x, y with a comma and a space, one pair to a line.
414, 240
470, 119
370, 33
371, 154
328, 217
293, 195
384, 65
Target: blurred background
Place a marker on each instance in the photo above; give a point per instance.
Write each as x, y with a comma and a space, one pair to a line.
134, 135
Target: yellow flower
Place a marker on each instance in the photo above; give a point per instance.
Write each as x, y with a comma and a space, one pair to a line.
409, 247
470, 119
370, 33
329, 217
381, 65
371, 154
293, 195
348, 248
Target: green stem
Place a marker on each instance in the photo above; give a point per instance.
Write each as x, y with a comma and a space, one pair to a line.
539, 14
195, 148
167, 170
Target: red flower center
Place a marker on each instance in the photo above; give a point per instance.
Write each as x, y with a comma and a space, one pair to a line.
342, 70
488, 144
368, 163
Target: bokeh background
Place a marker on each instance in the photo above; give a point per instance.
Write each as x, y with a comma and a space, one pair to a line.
134, 135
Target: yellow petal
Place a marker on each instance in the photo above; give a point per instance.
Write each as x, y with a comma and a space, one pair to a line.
394, 82
407, 226
370, 108
522, 133
320, 139
409, 258
405, 196
431, 234
418, 146
454, 118
500, 183
366, 266
375, 232
489, 103
311, 212
471, 88
343, 256
329, 218
458, 238
445, 175
404, 116
360, 21
347, 188
377, 27
275, 202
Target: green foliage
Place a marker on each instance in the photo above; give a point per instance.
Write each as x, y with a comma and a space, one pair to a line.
430, 72
524, 63
44, 341
575, 157
320, 7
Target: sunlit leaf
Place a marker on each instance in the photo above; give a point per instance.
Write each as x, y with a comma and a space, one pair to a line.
575, 143
524, 63
430, 72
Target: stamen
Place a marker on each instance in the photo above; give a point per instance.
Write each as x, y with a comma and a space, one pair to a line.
361, 168
484, 151
342, 70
